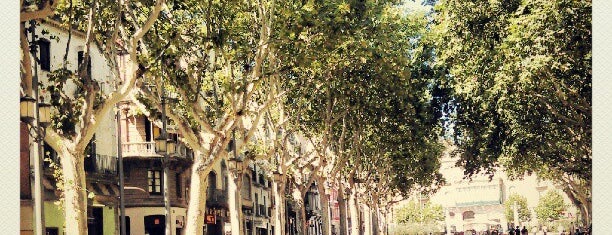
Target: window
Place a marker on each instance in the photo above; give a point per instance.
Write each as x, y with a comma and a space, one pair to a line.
212, 183
468, 215
80, 61
224, 177
246, 187
179, 193
155, 181
45, 55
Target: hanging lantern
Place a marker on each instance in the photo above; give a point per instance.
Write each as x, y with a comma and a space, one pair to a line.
27, 109
44, 114
171, 144
161, 143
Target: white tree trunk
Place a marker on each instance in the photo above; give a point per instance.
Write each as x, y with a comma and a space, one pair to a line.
278, 189
75, 197
197, 199
234, 205
354, 210
367, 220
324, 207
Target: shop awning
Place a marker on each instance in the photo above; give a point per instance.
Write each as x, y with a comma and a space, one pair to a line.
103, 192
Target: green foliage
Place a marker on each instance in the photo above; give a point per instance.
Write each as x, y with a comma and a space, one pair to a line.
415, 213
376, 87
550, 206
523, 211
520, 81
416, 229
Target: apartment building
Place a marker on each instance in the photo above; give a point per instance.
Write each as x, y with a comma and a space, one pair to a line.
101, 158
143, 172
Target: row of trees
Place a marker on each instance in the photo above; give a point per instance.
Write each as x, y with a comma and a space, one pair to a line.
368, 85
551, 207
265, 73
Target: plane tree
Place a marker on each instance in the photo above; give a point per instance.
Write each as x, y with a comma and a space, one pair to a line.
109, 32
519, 79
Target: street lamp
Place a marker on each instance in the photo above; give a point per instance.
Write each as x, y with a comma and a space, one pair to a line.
27, 108
161, 144
171, 145
38, 117
165, 148
277, 175
236, 165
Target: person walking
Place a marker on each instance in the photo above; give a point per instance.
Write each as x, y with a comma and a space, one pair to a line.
517, 231
524, 231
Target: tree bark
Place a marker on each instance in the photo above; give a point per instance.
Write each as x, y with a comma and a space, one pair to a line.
234, 204
278, 189
355, 223
367, 220
324, 207
579, 199
343, 218
197, 199
300, 208
377, 222
75, 196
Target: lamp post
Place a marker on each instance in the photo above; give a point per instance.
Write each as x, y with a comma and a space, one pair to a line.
38, 117
121, 180
165, 148
236, 165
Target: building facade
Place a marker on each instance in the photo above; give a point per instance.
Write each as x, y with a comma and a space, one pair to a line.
143, 176
100, 162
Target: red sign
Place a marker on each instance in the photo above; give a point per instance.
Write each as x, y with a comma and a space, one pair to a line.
156, 221
209, 219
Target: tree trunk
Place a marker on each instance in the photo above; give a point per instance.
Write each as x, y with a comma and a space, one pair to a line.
300, 209
355, 223
377, 221
75, 197
579, 199
324, 208
278, 189
342, 205
367, 220
197, 199
303, 227
234, 205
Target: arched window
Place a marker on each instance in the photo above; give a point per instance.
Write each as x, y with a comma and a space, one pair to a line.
212, 182
468, 215
224, 177
246, 187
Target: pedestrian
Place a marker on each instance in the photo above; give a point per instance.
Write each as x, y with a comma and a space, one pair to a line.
510, 231
578, 232
517, 231
524, 231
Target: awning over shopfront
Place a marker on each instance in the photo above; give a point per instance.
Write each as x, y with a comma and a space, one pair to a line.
103, 192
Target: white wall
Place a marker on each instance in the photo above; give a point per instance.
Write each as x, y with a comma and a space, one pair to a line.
100, 71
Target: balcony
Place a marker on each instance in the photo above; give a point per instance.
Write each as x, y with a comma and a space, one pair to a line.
183, 152
147, 149
216, 198
101, 164
139, 149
